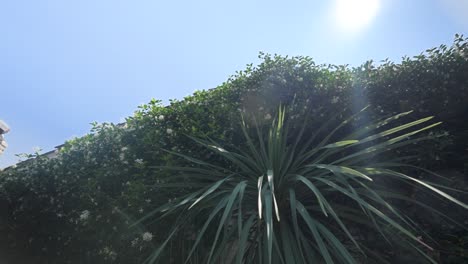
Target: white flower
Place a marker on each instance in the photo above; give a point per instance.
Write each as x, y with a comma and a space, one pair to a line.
267, 117
123, 149
139, 161
84, 215
135, 242
335, 99
161, 118
122, 156
111, 254
37, 149
169, 131
147, 236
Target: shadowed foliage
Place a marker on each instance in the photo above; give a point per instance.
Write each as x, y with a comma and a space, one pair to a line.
295, 197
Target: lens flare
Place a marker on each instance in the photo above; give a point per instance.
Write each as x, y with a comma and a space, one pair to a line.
354, 15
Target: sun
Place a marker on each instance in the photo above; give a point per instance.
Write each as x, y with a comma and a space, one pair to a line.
354, 15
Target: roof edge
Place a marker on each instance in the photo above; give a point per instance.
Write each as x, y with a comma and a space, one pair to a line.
4, 127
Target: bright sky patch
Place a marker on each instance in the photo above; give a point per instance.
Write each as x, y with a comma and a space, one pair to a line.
354, 15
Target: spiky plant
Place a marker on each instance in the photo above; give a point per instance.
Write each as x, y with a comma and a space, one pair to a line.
291, 198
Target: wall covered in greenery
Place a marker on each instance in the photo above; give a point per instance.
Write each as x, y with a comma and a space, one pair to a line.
77, 208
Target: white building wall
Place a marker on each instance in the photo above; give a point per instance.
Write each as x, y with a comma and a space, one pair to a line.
3, 130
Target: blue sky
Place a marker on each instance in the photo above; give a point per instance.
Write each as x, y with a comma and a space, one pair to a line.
64, 64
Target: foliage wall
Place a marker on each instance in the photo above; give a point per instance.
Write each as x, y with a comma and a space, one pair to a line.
76, 208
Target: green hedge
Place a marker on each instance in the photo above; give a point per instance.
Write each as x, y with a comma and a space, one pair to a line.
76, 208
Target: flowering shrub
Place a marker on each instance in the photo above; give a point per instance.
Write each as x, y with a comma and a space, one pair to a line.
77, 207
302, 193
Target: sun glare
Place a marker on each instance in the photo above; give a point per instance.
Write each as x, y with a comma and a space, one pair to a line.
353, 15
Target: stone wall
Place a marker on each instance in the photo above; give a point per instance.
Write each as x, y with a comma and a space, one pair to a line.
3, 130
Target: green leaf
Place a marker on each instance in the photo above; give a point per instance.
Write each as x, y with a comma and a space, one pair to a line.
269, 222
259, 202
245, 233
428, 186
314, 189
341, 169
313, 228
227, 211
222, 203
272, 188
341, 144
160, 249
209, 191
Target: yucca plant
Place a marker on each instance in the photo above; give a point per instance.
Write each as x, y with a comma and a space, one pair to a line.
290, 197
